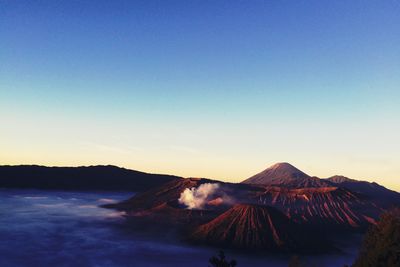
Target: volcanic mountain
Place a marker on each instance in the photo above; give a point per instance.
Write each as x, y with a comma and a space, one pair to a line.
324, 207
279, 205
338, 202
160, 205
166, 193
253, 227
317, 206
378, 193
285, 174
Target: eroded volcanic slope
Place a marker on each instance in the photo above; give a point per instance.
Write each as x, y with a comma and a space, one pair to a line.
323, 206
254, 227
380, 194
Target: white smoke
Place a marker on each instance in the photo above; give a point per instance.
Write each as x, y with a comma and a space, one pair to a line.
197, 198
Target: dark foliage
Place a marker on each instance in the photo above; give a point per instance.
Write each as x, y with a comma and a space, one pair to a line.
221, 261
381, 246
295, 262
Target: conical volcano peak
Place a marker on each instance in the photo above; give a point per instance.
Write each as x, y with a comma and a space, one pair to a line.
279, 173
284, 166
283, 170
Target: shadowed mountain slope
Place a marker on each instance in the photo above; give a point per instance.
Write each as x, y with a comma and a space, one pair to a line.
105, 178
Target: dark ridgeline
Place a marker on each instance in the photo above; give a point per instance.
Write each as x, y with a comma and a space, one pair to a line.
104, 178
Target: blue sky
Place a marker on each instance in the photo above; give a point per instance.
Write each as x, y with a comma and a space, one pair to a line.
203, 88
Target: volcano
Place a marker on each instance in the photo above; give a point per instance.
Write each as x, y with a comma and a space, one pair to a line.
322, 207
166, 193
282, 209
376, 192
285, 174
253, 227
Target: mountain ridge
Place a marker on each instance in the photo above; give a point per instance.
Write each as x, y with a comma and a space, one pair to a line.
95, 177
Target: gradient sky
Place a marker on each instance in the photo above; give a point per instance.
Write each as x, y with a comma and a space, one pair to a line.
218, 89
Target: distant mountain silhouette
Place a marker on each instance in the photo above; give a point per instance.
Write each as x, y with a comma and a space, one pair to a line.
105, 178
285, 174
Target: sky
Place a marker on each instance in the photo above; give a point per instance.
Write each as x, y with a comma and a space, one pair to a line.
219, 89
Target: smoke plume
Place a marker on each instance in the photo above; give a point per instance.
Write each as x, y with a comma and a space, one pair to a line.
197, 198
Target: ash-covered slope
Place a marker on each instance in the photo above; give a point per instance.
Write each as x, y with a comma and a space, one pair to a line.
285, 174
374, 191
254, 227
323, 207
